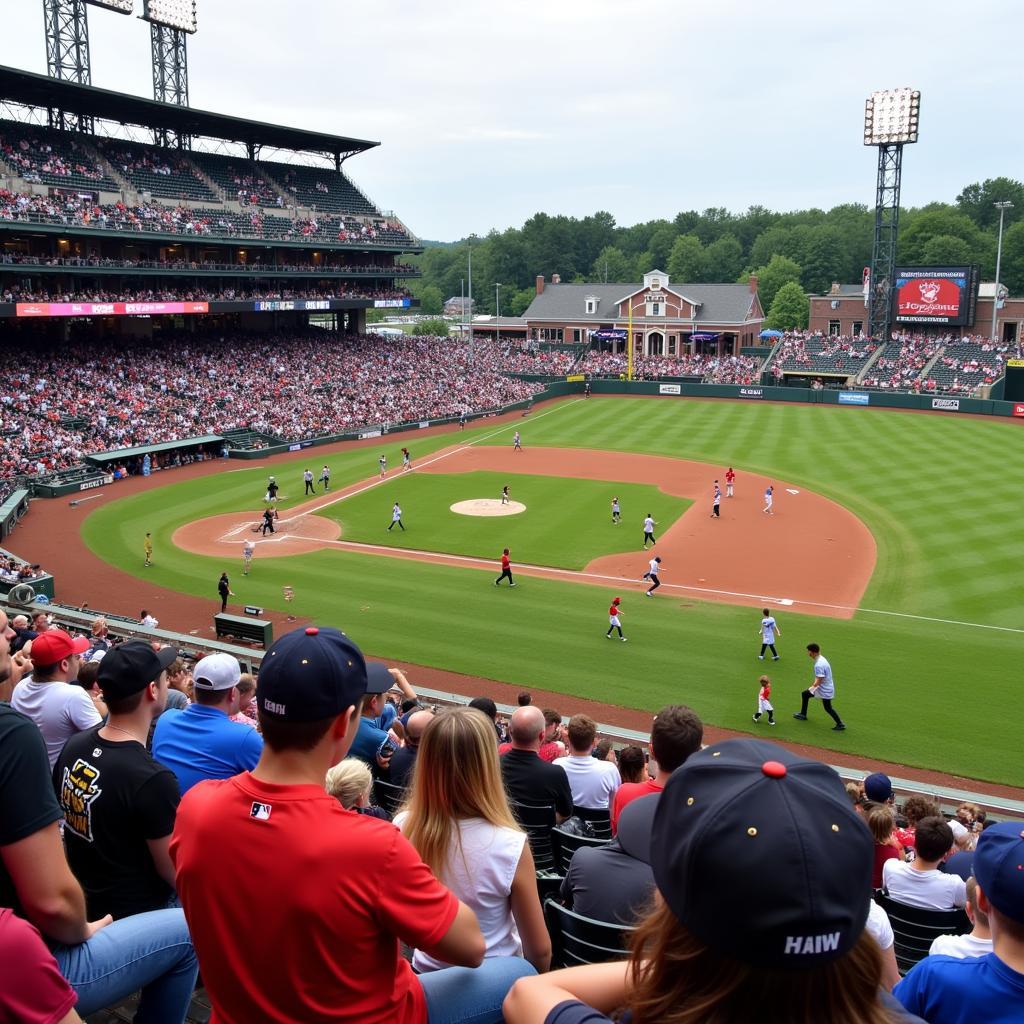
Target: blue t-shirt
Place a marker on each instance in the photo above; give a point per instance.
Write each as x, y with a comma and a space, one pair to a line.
948, 990
203, 743
385, 718
367, 742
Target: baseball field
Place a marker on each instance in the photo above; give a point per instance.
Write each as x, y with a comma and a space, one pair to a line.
894, 544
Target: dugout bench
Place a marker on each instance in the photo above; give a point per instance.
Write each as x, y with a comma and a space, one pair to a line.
257, 631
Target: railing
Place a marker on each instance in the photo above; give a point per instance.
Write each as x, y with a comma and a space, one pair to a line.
64, 263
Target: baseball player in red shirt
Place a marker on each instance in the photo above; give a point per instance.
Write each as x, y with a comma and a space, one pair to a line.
613, 618
506, 570
730, 476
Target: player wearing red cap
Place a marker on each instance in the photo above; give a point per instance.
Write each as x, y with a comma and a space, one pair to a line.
613, 619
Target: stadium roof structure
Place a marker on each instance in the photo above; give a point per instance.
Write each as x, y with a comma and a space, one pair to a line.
30, 89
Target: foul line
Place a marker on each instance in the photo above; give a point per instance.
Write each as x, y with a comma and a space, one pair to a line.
483, 563
231, 534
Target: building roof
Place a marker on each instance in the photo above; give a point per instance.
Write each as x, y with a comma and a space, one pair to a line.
42, 91
719, 303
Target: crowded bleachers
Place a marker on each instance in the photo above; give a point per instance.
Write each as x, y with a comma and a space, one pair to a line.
38, 155
210, 222
170, 290
122, 395
899, 365
711, 369
327, 265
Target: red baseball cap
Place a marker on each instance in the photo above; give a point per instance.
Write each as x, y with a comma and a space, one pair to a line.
55, 645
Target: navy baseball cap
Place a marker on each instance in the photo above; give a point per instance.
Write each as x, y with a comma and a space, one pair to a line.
999, 867
378, 678
878, 787
634, 828
746, 831
309, 675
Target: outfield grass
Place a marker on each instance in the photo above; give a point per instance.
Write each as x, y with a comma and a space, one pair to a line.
565, 523
940, 495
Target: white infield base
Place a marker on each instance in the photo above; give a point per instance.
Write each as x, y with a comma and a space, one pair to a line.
487, 507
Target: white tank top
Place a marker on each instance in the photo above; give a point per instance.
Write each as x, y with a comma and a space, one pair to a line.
481, 874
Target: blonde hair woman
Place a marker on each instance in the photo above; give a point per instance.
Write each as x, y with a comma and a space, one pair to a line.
350, 782
458, 819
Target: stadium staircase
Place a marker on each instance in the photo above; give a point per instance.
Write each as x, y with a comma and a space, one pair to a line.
927, 369
216, 189
875, 356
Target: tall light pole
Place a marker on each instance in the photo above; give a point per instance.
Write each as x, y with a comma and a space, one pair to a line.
1002, 207
497, 313
469, 324
891, 119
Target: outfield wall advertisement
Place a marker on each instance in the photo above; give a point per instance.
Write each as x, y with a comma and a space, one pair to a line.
854, 398
935, 295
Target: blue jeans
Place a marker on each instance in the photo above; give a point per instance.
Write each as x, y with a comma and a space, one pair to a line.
470, 995
152, 952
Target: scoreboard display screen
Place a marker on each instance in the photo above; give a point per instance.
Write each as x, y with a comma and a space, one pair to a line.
935, 295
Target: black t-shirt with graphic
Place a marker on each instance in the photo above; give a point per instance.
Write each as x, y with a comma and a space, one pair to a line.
27, 803
115, 797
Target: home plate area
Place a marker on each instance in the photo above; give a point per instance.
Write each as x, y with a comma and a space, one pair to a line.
487, 507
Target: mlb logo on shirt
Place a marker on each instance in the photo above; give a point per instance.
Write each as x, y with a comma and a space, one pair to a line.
261, 812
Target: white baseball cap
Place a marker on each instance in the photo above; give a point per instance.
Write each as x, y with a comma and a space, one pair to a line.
216, 672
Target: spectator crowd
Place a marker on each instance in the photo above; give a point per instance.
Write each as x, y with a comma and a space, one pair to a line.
732, 874
57, 406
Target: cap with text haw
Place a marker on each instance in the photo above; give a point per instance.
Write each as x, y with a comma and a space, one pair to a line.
878, 787
218, 671
55, 645
131, 667
310, 674
999, 868
747, 831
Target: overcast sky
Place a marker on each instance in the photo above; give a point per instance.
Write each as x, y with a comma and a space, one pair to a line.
489, 112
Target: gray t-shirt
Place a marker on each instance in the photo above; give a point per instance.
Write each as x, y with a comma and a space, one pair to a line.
59, 710
823, 672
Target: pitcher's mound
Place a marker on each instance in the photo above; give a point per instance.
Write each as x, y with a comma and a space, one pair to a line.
488, 507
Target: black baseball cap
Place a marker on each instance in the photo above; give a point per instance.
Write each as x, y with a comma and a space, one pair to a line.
759, 853
132, 666
310, 674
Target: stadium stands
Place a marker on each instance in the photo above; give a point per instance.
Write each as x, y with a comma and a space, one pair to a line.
60, 405
900, 363
241, 180
320, 189
709, 368
42, 156
162, 173
805, 353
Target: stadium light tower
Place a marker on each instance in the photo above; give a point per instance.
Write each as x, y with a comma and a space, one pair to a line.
67, 47
1002, 207
891, 118
170, 22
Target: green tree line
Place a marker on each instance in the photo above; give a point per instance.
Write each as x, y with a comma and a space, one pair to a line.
806, 248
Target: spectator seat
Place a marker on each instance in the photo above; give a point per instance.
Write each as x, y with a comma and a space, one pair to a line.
568, 844
388, 796
914, 929
578, 940
601, 820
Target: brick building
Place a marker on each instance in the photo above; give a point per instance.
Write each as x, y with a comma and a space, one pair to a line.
843, 312
668, 319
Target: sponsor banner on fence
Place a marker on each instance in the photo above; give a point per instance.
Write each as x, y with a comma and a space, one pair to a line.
576, 376
751, 392
368, 434
854, 398
669, 389
1018, 409
91, 485
424, 424
949, 404
1015, 362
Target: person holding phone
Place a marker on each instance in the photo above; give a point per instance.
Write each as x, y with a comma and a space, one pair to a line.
372, 743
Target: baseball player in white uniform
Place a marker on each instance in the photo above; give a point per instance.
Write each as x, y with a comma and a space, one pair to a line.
768, 500
649, 525
616, 511
823, 687
769, 631
396, 517
517, 442
652, 575
248, 550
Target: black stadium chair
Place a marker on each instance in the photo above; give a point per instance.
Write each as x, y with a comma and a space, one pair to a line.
915, 929
601, 820
568, 844
388, 796
577, 940
539, 823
